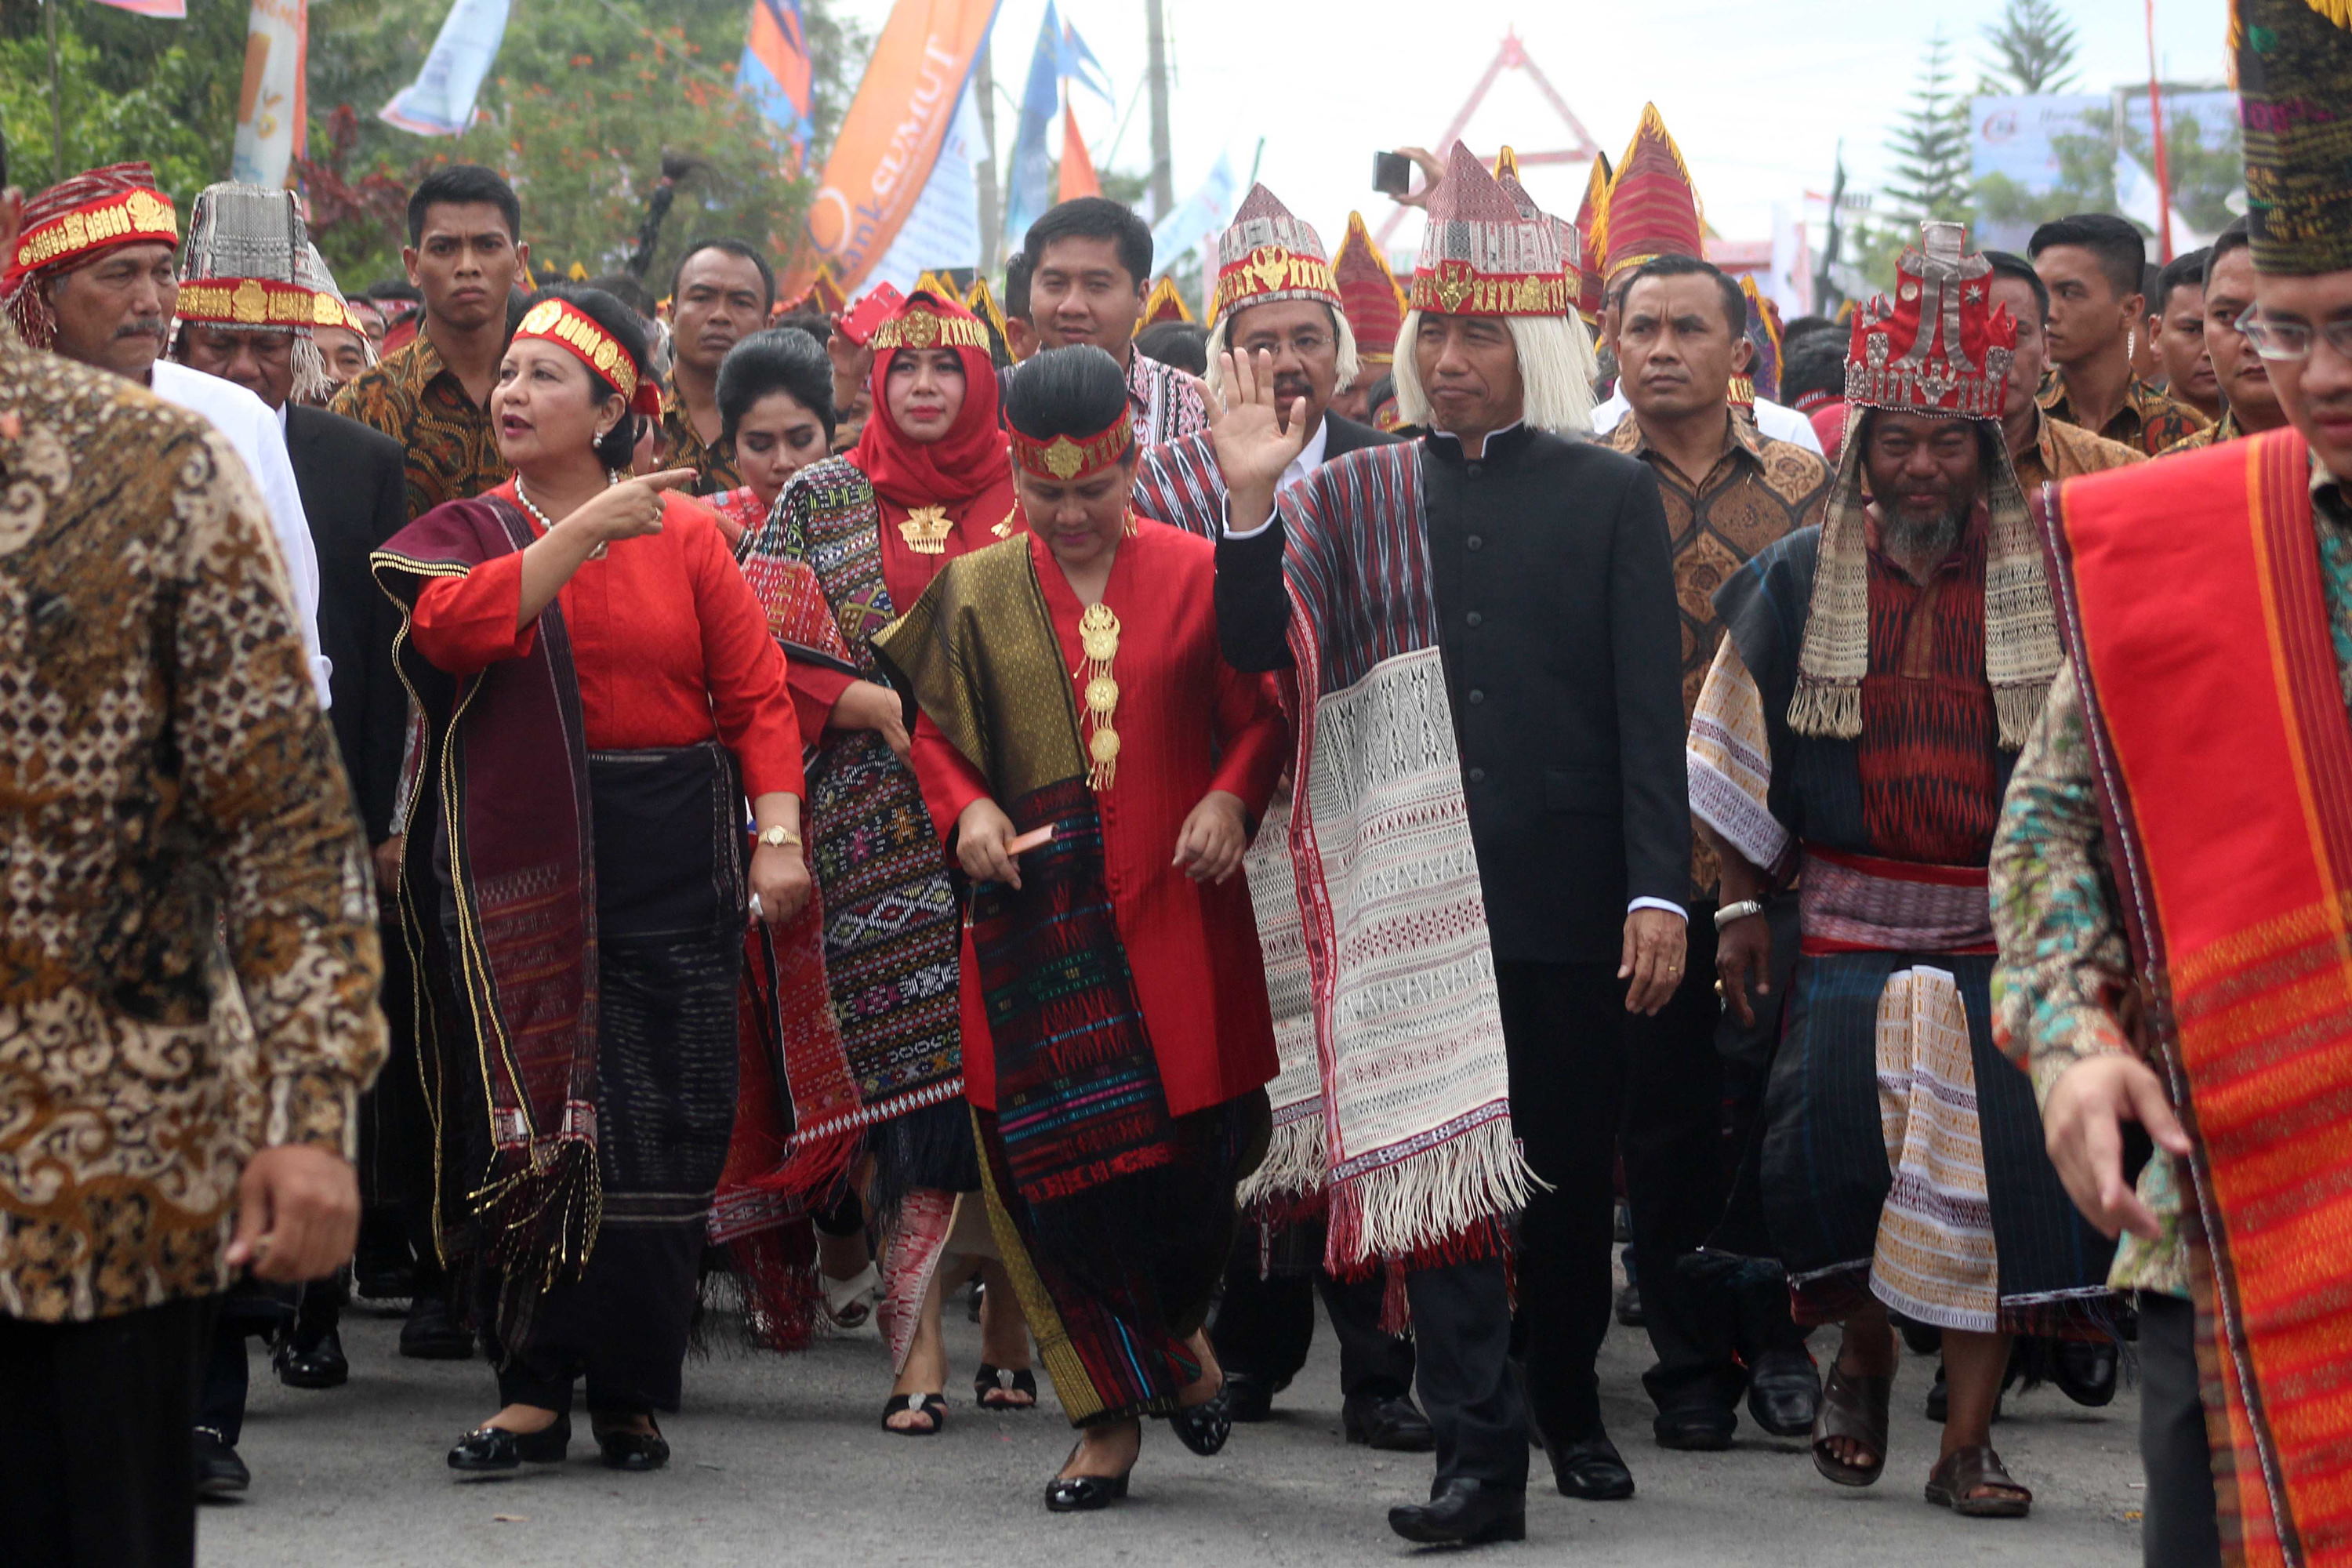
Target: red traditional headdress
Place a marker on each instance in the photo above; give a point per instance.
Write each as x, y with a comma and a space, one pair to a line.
1370, 296
1571, 243
71, 222
1164, 303
1267, 254
1652, 207
1593, 222
1481, 256
566, 325
1941, 346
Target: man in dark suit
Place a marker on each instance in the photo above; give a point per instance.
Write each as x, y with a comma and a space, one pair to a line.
1535, 566
353, 492
1265, 1319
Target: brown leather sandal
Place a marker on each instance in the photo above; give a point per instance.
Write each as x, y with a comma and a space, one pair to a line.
1853, 1406
1963, 1473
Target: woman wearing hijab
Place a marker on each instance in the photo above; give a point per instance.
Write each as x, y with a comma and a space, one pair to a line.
601, 695
1097, 767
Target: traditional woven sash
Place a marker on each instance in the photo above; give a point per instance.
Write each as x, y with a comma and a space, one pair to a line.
2192, 602
1419, 1156
1866, 903
509, 760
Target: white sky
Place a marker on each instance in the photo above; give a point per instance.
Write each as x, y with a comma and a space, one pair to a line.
1758, 94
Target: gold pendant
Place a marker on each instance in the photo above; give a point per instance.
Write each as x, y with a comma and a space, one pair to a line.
925, 530
1004, 530
1098, 638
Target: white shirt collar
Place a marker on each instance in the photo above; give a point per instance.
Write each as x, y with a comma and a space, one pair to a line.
1310, 457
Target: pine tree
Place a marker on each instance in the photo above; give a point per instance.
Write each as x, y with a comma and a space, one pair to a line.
1931, 143
2035, 46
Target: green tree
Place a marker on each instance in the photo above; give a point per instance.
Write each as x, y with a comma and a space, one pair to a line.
2034, 49
1930, 143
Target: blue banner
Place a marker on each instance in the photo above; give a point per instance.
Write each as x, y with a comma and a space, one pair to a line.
1029, 184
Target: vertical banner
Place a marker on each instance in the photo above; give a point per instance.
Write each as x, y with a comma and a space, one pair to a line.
1029, 189
1198, 218
889, 140
943, 232
440, 101
1078, 177
273, 105
775, 74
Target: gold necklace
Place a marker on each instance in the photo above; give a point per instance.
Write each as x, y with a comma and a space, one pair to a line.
1098, 638
925, 530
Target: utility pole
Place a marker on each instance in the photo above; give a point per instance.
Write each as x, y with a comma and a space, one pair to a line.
1163, 172
1823, 288
991, 220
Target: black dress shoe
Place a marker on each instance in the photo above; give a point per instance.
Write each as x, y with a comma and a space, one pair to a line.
2085, 1371
1696, 1429
434, 1333
1784, 1392
627, 1450
1204, 1428
320, 1364
1249, 1399
219, 1472
493, 1450
1462, 1512
1591, 1470
1393, 1426
1084, 1494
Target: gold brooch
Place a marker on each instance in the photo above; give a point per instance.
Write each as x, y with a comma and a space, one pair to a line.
925, 530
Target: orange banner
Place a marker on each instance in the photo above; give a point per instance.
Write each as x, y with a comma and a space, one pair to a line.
1079, 177
888, 141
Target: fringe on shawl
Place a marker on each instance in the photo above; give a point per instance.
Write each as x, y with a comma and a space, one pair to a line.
1293, 1167
544, 1215
1437, 1205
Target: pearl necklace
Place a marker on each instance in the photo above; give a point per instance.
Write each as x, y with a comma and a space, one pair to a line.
548, 522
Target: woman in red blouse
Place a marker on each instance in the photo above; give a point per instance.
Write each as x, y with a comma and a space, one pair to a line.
601, 695
1100, 768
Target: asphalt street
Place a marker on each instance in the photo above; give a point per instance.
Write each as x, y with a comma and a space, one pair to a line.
784, 1461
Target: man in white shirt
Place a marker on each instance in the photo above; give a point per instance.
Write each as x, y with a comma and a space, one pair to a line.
1772, 419
95, 278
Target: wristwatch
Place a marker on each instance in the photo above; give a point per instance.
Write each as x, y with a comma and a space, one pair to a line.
1739, 911
779, 839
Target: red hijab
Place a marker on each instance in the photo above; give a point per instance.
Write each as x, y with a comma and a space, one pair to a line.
972, 457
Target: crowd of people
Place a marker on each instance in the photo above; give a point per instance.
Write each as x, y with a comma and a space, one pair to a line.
602, 815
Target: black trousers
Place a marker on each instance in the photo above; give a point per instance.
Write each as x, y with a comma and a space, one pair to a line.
396, 1141
1265, 1323
1678, 1168
1564, 1031
308, 1313
96, 1470
2180, 1529
1461, 1339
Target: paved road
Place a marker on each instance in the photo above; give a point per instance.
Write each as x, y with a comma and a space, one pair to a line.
782, 1462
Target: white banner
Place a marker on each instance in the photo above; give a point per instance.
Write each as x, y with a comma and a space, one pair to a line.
273, 104
440, 101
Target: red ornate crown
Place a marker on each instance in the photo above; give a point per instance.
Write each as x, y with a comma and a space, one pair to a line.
1942, 346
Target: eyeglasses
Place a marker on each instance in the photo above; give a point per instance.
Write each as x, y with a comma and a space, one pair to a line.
1306, 345
2292, 340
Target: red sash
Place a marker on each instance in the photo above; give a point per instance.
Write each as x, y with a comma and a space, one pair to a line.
2194, 609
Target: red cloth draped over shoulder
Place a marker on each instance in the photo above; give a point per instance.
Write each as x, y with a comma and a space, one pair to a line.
669, 646
1188, 723
2197, 614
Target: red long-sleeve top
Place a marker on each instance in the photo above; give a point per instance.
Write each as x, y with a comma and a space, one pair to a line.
1188, 723
669, 647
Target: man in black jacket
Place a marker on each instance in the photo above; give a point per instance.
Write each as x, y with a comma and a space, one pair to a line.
1276, 295
251, 292
1534, 565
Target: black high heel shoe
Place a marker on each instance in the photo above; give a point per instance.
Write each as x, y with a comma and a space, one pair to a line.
625, 1450
1204, 1428
1086, 1494
494, 1450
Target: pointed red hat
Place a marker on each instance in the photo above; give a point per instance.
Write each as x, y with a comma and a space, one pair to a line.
1482, 256
1371, 297
1593, 222
1653, 208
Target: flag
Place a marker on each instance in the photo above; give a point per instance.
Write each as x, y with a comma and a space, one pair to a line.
1028, 187
440, 101
889, 141
1075, 62
943, 229
1079, 178
272, 106
1204, 213
164, 10
775, 74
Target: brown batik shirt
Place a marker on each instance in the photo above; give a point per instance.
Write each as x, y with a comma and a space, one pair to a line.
684, 447
2149, 421
1759, 491
2063, 451
166, 779
452, 443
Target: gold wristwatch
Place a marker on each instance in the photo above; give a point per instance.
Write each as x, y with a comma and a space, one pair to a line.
780, 838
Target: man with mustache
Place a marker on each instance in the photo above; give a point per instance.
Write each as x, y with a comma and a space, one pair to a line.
721, 294
2172, 937
2250, 403
1729, 493
95, 279
1276, 295
1854, 734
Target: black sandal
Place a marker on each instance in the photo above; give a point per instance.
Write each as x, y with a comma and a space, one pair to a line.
934, 1406
990, 1393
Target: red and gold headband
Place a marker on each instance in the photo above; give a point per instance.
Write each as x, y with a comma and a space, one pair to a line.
1274, 271
920, 328
258, 303
1458, 288
1064, 458
127, 217
566, 325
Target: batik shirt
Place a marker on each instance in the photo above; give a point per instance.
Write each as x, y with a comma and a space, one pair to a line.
452, 445
2065, 959
2226, 429
684, 447
1759, 491
1165, 401
169, 779
2149, 420
2063, 451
